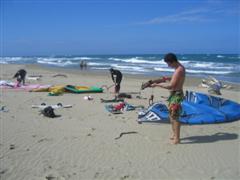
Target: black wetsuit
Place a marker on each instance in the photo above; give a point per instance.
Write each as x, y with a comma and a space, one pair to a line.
117, 78
20, 75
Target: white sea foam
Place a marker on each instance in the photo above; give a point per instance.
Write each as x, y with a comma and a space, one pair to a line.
220, 56
100, 68
164, 69
97, 64
194, 71
3, 62
85, 58
6, 59
207, 72
137, 60
140, 61
57, 63
218, 64
129, 68
115, 59
201, 64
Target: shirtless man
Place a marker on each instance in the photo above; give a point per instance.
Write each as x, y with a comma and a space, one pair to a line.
175, 86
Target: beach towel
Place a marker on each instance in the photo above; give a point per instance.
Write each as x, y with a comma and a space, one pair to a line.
120, 107
111, 100
11, 85
110, 108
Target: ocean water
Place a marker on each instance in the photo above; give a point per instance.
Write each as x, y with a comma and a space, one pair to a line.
224, 67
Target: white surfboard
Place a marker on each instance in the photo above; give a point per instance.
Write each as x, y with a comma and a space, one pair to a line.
54, 106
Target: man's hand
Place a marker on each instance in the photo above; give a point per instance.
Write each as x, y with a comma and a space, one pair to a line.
154, 85
146, 84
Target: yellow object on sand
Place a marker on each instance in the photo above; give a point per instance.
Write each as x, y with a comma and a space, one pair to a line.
53, 89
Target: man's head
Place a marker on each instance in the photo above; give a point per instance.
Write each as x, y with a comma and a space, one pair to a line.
170, 59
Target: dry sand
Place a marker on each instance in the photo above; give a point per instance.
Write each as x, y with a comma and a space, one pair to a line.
81, 143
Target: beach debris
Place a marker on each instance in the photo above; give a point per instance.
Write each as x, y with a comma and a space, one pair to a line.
6, 83
124, 133
51, 177
49, 112
34, 77
107, 87
3, 171
124, 177
114, 109
89, 98
122, 106
214, 86
150, 101
12, 146
54, 106
124, 95
62, 75
111, 100
3, 109
146, 84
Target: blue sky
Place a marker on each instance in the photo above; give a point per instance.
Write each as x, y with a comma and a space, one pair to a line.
71, 27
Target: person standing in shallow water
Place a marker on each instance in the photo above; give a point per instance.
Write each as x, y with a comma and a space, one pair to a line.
83, 65
175, 86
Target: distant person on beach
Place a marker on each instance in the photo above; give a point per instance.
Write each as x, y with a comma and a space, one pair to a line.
83, 64
20, 75
175, 86
117, 78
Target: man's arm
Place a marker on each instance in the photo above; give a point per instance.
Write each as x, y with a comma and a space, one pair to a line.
174, 81
161, 80
155, 81
16, 75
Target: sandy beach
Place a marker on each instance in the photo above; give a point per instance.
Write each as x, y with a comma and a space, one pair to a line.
83, 143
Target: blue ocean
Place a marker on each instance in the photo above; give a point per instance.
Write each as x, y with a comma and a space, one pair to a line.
225, 67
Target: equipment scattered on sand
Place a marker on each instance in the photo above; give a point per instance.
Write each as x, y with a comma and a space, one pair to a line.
146, 84
111, 100
34, 77
120, 107
197, 108
214, 86
83, 89
62, 75
55, 106
49, 112
107, 87
3, 109
124, 133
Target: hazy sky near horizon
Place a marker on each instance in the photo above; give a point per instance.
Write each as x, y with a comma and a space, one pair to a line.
78, 27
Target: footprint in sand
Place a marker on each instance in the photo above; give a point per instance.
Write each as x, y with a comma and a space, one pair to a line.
12, 146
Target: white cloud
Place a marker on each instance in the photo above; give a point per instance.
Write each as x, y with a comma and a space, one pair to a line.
194, 15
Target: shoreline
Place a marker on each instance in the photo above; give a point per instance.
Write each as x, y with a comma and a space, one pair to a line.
189, 79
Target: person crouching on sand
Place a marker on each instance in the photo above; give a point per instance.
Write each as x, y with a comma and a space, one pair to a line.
117, 78
20, 75
176, 94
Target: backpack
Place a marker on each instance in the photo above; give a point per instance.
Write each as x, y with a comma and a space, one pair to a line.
48, 112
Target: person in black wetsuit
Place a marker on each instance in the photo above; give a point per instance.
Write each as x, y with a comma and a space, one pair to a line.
20, 75
117, 78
